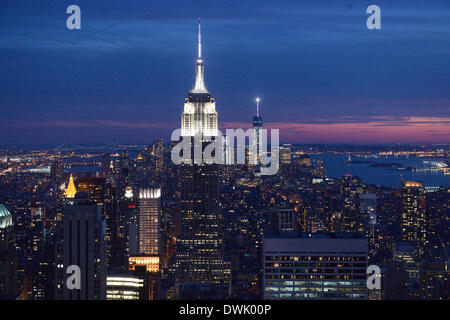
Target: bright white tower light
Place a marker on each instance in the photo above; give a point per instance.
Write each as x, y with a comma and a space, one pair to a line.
199, 115
257, 107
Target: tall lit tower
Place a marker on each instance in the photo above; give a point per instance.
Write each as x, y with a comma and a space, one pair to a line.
257, 133
199, 116
150, 221
200, 246
413, 214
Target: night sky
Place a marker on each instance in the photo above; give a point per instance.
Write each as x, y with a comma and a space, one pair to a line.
322, 76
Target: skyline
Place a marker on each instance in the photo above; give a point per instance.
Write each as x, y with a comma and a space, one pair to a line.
122, 78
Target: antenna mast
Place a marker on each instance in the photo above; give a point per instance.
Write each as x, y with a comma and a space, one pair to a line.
199, 39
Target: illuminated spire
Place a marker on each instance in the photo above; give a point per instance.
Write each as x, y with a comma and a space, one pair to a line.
257, 107
199, 86
199, 39
71, 191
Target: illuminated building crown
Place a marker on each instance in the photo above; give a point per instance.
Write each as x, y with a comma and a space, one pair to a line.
5, 217
199, 116
71, 191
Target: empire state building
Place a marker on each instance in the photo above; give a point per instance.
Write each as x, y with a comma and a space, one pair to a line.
200, 246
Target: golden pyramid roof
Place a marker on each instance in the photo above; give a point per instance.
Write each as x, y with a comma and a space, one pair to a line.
71, 191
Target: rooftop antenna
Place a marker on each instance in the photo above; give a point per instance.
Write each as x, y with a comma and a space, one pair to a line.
199, 39
257, 107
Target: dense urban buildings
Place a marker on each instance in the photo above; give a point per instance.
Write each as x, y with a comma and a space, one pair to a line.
126, 222
303, 204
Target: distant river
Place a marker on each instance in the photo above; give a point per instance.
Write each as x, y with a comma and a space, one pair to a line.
337, 166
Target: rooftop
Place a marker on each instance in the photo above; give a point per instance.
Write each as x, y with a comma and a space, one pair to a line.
5, 217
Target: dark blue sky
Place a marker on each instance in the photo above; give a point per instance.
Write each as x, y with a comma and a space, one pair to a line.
321, 74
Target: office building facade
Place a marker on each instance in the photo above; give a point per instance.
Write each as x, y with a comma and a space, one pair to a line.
80, 242
315, 266
150, 221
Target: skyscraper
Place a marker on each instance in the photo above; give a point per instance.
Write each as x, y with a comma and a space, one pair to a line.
71, 190
111, 210
106, 165
257, 133
150, 221
8, 271
80, 242
56, 171
413, 214
368, 208
95, 187
148, 261
367, 211
158, 156
367, 220
285, 159
200, 246
285, 154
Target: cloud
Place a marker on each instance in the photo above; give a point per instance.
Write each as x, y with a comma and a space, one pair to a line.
376, 129
92, 124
